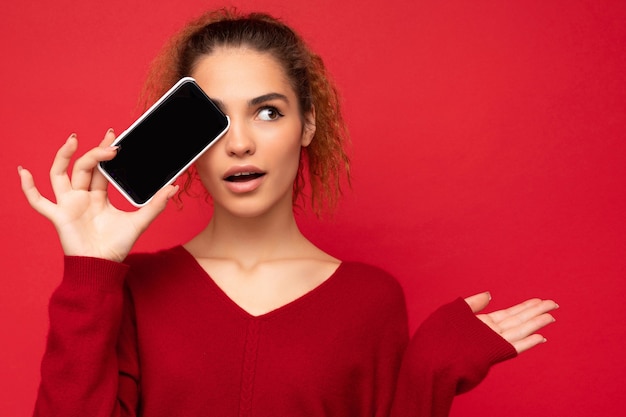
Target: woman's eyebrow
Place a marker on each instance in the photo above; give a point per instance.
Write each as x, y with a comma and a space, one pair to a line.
255, 101
268, 97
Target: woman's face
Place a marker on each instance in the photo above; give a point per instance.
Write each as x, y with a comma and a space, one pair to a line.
251, 169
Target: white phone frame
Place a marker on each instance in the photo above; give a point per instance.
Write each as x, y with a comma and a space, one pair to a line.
152, 108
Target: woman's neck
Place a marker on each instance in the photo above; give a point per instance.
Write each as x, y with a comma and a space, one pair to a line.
250, 241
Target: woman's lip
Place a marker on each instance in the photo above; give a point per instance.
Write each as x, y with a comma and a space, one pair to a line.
240, 187
242, 169
246, 186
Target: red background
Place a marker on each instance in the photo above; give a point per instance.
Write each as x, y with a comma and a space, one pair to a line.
488, 149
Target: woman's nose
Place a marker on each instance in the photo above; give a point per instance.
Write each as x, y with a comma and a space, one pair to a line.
238, 139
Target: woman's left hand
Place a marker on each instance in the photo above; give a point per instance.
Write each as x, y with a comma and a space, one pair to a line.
517, 324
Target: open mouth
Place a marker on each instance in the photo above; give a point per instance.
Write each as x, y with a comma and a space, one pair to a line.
244, 176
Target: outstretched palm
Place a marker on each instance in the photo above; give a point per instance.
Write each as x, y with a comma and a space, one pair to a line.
516, 324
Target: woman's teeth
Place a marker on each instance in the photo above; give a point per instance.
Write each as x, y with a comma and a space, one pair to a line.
243, 176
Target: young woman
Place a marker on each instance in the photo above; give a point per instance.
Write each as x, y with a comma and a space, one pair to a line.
248, 318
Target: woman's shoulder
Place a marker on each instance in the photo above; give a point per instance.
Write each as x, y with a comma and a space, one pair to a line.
373, 294
157, 263
367, 271
370, 279
174, 253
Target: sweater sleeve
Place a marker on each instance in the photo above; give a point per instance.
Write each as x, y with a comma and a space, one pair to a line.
450, 353
80, 373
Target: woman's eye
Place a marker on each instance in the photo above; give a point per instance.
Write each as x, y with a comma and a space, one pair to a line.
269, 114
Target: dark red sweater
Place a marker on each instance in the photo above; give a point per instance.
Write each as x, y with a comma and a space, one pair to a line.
157, 337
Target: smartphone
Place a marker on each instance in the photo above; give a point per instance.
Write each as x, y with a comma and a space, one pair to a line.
162, 143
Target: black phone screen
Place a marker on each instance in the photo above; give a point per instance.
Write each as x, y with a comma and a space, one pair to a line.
158, 147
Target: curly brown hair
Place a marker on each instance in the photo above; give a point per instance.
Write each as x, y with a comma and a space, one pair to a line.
325, 160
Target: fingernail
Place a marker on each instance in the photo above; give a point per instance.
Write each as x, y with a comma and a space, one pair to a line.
488, 295
110, 130
73, 136
544, 340
19, 169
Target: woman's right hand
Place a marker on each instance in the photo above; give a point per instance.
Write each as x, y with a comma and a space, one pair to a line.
87, 223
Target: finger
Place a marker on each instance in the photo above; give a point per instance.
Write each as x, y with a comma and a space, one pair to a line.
479, 301
41, 204
527, 328
83, 170
145, 215
527, 314
501, 315
58, 171
109, 138
528, 342
98, 181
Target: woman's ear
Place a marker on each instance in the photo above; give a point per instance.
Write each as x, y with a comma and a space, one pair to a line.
308, 130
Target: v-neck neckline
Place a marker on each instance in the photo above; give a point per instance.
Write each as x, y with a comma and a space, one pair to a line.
295, 303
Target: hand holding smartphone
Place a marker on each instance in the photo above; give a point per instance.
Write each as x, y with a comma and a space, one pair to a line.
163, 142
